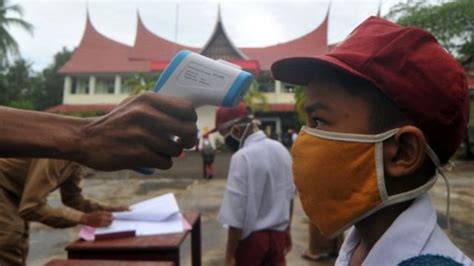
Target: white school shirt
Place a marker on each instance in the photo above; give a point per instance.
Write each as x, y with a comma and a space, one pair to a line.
415, 232
259, 187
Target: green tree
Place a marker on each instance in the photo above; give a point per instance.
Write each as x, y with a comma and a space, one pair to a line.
50, 91
8, 45
17, 85
141, 82
451, 22
255, 99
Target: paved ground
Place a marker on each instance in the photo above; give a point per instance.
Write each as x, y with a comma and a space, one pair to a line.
195, 193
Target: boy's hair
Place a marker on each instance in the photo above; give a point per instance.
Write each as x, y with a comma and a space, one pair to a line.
384, 114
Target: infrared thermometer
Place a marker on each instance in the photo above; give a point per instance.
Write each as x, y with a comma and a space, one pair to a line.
203, 81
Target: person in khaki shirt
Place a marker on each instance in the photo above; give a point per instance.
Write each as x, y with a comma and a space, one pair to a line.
24, 187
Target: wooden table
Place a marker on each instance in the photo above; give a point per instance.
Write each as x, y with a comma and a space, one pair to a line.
144, 248
59, 262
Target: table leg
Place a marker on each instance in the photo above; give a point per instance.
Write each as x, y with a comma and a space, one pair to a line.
196, 242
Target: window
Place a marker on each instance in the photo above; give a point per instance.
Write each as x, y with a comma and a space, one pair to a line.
105, 85
288, 88
80, 85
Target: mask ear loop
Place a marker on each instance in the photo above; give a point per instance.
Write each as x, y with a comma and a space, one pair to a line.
241, 140
437, 164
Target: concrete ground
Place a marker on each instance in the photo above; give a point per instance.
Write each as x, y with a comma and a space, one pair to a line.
194, 193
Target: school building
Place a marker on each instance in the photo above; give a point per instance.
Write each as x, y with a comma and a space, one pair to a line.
95, 75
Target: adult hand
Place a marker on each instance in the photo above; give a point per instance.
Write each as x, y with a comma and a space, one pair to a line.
115, 208
139, 133
96, 219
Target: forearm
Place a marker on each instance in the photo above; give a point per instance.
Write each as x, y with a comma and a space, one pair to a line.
57, 218
39, 134
233, 238
85, 205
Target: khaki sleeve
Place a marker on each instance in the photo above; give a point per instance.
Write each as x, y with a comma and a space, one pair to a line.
71, 194
40, 182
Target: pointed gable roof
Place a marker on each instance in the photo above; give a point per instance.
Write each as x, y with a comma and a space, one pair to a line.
219, 45
99, 54
149, 46
311, 44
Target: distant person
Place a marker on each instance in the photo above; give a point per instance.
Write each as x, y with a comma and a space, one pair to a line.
136, 133
294, 136
208, 153
258, 200
286, 138
24, 187
386, 108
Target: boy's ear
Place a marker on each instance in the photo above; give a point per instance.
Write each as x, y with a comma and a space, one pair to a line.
404, 153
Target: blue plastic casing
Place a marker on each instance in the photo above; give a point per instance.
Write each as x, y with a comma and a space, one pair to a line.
237, 89
177, 59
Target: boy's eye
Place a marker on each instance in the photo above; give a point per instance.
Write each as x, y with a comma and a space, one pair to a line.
315, 122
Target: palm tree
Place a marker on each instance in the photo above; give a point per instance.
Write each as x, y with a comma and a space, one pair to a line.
255, 99
8, 45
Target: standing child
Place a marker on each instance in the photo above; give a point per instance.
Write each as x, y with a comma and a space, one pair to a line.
259, 192
386, 108
208, 154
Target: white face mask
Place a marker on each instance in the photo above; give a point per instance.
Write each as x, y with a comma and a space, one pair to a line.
240, 139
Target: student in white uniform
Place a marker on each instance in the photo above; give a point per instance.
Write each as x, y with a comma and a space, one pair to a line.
259, 192
386, 108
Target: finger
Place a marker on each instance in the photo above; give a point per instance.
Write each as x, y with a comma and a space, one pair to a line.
162, 145
166, 125
151, 159
177, 107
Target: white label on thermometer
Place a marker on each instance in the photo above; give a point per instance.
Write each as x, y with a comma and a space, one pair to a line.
194, 75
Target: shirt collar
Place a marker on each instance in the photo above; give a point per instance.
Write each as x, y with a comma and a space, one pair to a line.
254, 137
405, 238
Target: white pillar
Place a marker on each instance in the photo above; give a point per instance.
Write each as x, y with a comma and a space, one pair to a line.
278, 127
91, 85
67, 88
118, 85
278, 86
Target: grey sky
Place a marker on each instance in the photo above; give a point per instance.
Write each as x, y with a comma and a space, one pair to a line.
248, 23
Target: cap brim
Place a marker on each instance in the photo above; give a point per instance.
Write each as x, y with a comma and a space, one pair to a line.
301, 70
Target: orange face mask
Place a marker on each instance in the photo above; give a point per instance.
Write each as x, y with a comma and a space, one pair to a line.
340, 177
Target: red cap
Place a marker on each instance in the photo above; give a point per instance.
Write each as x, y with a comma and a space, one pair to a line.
226, 117
406, 64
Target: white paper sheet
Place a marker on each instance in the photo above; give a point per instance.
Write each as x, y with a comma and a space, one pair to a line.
159, 215
174, 224
152, 210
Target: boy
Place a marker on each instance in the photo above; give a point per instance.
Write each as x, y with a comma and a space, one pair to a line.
385, 109
24, 187
259, 192
208, 154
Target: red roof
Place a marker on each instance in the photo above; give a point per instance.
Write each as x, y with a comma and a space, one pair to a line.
311, 44
279, 107
149, 46
249, 65
72, 108
99, 54
470, 83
